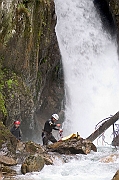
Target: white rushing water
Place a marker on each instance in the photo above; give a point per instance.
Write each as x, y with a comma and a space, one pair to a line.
91, 68
78, 167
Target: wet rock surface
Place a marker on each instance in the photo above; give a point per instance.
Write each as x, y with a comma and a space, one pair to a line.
32, 156
72, 146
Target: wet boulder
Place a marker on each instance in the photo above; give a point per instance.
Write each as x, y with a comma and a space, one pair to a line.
7, 160
32, 163
73, 145
110, 158
8, 142
8, 172
115, 141
35, 157
32, 148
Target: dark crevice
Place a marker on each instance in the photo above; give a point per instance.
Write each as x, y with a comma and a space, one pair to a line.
107, 19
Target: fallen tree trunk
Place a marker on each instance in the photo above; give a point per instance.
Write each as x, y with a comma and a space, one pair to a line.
103, 127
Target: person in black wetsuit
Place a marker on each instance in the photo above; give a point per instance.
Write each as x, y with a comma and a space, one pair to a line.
48, 127
15, 130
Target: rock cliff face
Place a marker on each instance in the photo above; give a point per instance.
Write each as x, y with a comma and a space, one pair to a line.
31, 84
109, 10
114, 8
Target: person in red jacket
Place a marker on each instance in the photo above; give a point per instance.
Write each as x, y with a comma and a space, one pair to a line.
48, 127
15, 130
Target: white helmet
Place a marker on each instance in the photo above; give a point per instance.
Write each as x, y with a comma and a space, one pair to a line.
55, 116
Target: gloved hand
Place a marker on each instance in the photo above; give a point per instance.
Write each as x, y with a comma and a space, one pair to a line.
60, 130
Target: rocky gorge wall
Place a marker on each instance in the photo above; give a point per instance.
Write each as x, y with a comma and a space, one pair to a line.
110, 15
31, 83
114, 8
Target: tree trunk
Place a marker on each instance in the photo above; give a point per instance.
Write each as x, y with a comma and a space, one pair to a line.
103, 127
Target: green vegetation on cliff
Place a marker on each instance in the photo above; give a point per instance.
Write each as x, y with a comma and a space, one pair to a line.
6, 84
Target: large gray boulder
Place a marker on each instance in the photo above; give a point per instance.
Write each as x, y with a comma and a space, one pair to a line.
32, 163
73, 145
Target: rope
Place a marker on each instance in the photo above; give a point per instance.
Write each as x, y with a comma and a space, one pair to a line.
98, 125
102, 135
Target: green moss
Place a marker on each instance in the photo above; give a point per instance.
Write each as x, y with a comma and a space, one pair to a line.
25, 1
44, 60
23, 10
2, 104
7, 27
7, 83
2, 97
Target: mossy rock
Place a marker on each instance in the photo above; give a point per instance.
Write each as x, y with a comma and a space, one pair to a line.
32, 163
7, 171
33, 148
7, 139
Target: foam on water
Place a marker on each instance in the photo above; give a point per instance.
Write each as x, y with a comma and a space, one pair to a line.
83, 167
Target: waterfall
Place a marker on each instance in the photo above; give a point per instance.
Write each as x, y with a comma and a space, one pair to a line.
90, 63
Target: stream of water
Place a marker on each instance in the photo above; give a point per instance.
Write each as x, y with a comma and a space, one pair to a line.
78, 167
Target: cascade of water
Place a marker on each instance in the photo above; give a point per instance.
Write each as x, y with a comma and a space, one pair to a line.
90, 63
